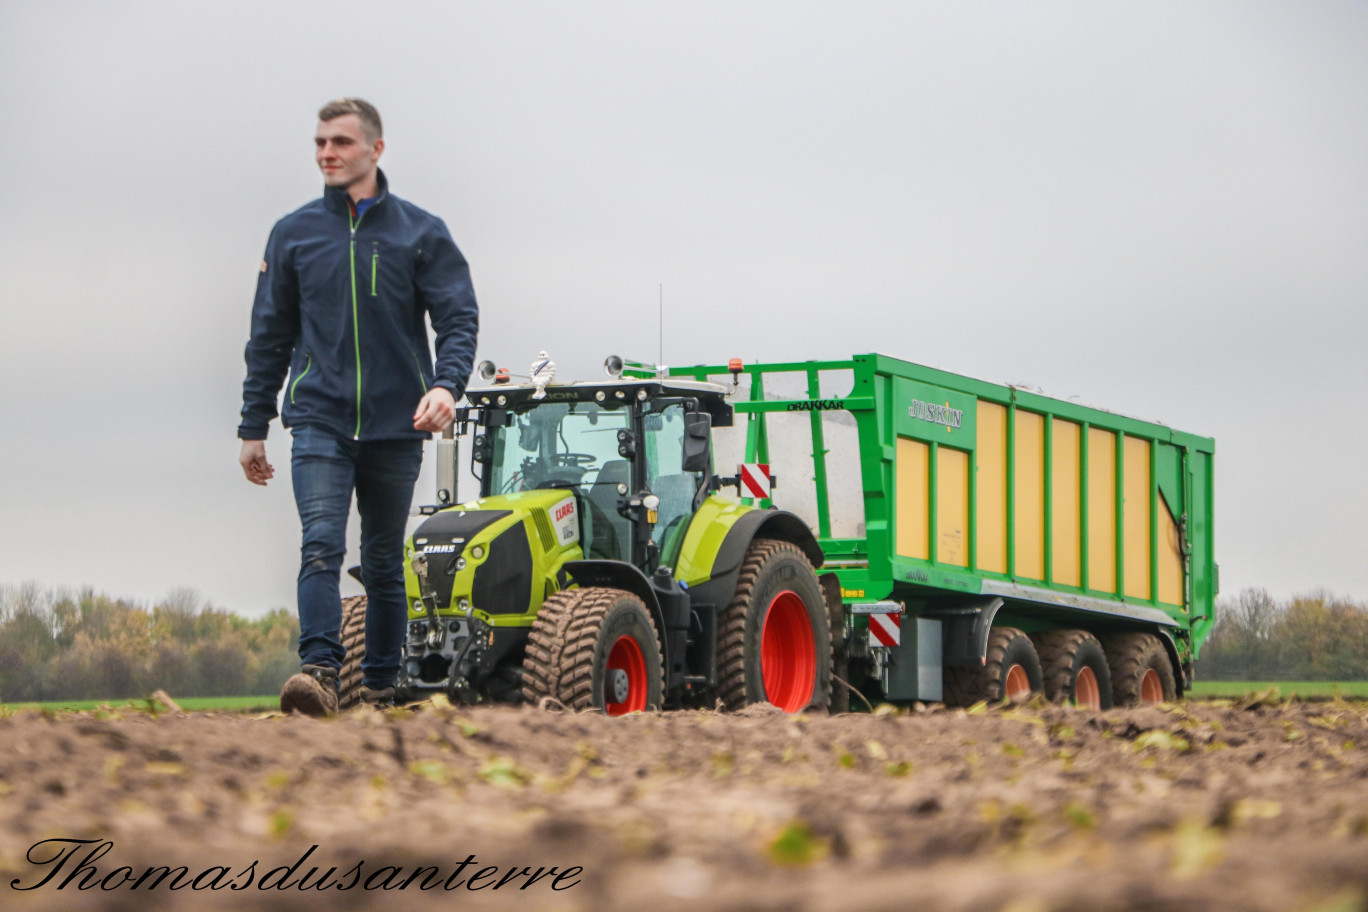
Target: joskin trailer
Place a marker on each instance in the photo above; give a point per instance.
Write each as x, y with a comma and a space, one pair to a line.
890, 528
988, 541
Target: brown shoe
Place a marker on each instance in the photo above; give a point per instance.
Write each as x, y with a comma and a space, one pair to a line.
378, 699
312, 692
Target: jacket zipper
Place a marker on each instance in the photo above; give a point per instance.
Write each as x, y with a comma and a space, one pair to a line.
375, 262
355, 222
418, 364
308, 364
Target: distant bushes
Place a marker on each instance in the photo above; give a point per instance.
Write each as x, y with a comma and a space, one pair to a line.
1316, 637
62, 645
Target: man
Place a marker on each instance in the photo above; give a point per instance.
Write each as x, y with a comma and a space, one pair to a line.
340, 305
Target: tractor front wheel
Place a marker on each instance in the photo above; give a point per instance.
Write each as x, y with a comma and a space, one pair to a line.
775, 636
594, 648
353, 636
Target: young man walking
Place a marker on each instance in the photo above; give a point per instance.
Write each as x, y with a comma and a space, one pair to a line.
345, 287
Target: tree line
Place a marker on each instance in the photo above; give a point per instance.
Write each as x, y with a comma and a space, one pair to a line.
82, 645
1317, 637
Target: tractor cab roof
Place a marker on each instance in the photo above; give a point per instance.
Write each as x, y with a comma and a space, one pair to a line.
712, 397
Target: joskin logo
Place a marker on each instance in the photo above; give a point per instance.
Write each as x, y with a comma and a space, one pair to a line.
936, 414
817, 405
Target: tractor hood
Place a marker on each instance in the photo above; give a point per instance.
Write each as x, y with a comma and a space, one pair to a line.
484, 555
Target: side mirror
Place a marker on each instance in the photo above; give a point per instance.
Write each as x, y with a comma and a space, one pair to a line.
697, 434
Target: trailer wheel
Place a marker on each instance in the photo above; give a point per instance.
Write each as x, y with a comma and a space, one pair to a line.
1075, 668
594, 648
775, 636
1140, 669
1011, 671
353, 636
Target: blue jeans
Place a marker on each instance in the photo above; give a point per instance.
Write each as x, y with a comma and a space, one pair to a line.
326, 469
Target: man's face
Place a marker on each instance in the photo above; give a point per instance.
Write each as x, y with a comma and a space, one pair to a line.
343, 153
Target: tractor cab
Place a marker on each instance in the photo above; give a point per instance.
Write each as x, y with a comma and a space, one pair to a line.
633, 452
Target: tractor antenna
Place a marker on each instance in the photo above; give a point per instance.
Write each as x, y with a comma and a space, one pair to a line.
660, 324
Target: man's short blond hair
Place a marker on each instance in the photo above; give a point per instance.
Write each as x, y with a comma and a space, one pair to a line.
370, 118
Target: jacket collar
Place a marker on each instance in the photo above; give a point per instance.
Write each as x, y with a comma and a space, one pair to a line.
338, 200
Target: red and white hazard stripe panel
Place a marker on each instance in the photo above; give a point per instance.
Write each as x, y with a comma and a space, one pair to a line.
755, 479
885, 629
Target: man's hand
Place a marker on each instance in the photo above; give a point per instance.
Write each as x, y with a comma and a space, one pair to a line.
435, 411
254, 464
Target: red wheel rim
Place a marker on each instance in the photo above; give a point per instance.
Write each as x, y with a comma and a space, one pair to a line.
626, 656
788, 657
1017, 684
1151, 687
1086, 691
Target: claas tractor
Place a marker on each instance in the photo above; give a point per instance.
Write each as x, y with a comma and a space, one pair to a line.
600, 567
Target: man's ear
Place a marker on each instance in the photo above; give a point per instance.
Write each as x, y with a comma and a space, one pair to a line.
377, 149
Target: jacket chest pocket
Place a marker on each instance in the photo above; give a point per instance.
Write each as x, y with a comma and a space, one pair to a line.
388, 270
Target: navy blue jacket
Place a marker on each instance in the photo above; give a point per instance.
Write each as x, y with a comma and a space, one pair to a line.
340, 305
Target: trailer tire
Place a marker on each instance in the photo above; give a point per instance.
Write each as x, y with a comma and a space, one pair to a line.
594, 648
1140, 669
353, 636
1010, 671
775, 638
1075, 668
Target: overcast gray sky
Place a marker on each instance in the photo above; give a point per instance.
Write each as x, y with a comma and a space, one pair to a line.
1160, 208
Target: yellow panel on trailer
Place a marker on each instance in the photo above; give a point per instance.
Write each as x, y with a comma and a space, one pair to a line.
1065, 519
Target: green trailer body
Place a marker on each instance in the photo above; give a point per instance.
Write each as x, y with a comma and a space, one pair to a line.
954, 505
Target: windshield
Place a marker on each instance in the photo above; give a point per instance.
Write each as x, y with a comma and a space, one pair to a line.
556, 445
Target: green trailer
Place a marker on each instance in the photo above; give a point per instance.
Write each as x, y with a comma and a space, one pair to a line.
985, 540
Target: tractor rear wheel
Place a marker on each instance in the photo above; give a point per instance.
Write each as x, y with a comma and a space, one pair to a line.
1140, 669
594, 648
1075, 668
1010, 671
353, 636
774, 639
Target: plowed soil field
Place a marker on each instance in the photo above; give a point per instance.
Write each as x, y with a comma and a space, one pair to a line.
1239, 806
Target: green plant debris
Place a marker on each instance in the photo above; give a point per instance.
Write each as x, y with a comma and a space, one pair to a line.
1349, 899
723, 764
1251, 809
1196, 848
899, 770
431, 770
796, 846
281, 821
876, 750
1161, 740
846, 759
1013, 750
504, 773
1080, 815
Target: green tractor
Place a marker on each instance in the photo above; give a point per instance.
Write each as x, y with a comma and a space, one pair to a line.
599, 568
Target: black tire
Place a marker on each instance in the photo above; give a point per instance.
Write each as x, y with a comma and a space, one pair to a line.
353, 636
1009, 659
1069, 657
775, 630
840, 652
1140, 669
581, 640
